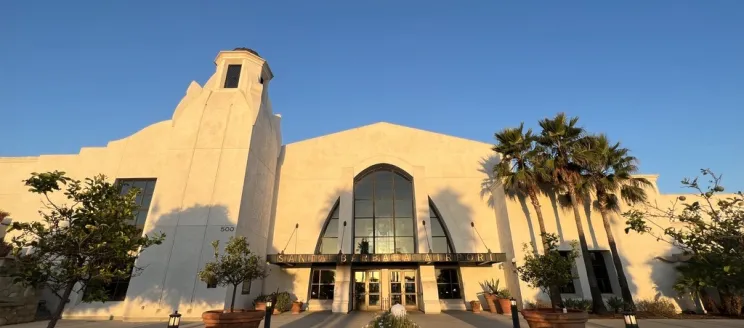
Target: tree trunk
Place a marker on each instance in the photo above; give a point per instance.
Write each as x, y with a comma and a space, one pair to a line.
61, 307
598, 305
555, 295
232, 303
624, 288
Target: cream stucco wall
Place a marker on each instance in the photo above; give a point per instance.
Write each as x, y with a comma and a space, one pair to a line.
222, 170
214, 163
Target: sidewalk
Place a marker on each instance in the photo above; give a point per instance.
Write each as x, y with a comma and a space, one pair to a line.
448, 319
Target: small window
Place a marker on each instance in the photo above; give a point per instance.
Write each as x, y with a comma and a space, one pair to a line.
448, 284
600, 271
232, 77
117, 288
322, 284
211, 285
246, 288
569, 288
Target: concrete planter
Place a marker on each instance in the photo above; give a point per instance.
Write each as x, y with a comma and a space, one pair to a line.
548, 318
237, 319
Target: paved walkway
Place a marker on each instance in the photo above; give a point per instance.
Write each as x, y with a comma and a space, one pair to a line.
449, 319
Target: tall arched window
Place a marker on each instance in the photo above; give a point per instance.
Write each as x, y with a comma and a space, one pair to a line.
328, 240
383, 212
440, 241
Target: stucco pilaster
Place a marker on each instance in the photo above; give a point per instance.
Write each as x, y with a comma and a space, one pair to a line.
342, 290
429, 302
421, 200
345, 209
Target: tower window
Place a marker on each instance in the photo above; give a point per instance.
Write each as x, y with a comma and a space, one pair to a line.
232, 77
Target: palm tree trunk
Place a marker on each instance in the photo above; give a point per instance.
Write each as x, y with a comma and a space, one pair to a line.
624, 288
598, 305
61, 307
555, 295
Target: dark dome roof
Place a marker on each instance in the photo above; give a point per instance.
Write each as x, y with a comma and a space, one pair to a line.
248, 50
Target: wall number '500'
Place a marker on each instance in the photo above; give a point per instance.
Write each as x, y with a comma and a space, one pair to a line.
224, 229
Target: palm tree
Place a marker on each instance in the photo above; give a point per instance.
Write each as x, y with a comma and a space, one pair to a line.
608, 170
519, 171
561, 139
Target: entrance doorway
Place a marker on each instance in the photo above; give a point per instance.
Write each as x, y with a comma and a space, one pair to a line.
379, 289
367, 290
403, 288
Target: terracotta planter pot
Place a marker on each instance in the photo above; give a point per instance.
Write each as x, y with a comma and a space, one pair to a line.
296, 307
237, 319
475, 306
505, 305
261, 306
491, 300
547, 318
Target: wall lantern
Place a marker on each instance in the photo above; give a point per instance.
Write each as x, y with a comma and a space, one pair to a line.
174, 320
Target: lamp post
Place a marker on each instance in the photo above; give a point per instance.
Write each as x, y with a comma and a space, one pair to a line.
270, 303
515, 312
174, 320
630, 320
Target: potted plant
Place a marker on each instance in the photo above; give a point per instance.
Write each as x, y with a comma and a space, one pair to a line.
545, 270
283, 302
475, 306
297, 307
259, 303
236, 266
489, 290
503, 296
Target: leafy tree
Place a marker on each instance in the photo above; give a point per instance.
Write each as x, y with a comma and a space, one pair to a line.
709, 229
561, 139
80, 245
521, 171
549, 269
608, 170
238, 265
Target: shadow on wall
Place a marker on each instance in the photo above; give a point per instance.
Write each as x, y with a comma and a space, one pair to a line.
457, 218
664, 275
169, 280
310, 231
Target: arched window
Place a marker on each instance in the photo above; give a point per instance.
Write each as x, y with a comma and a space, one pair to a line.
440, 240
328, 240
383, 212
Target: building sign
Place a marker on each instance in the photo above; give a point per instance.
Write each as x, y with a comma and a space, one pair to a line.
424, 258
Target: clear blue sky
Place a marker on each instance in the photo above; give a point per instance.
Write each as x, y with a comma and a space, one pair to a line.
666, 77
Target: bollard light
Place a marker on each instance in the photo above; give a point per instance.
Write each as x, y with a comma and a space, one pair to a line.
269, 310
630, 320
515, 312
174, 320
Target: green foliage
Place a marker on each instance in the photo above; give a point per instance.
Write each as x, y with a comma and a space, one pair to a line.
387, 320
261, 298
490, 286
85, 242
363, 246
577, 304
616, 304
710, 230
549, 269
283, 302
660, 307
237, 265
503, 293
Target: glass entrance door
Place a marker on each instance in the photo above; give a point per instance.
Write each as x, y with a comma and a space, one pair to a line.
403, 288
367, 290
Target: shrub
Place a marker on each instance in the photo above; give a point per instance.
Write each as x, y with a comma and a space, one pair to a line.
616, 304
283, 302
549, 269
387, 320
660, 307
503, 293
577, 304
538, 304
261, 298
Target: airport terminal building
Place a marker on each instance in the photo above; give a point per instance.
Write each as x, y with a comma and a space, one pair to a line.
358, 220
